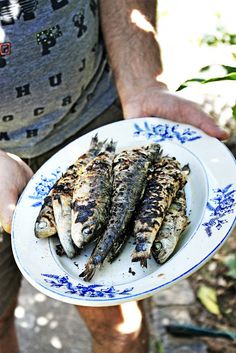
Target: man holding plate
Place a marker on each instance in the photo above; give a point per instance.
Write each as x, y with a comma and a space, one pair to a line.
58, 60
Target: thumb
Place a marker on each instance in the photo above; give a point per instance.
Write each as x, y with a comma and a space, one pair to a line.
7, 207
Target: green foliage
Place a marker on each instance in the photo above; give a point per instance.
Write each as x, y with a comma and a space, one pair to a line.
230, 263
230, 75
159, 347
234, 111
220, 37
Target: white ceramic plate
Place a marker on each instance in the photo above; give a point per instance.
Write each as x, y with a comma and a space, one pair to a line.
210, 192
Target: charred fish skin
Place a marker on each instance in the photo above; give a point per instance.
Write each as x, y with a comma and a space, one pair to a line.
163, 183
119, 244
129, 179
62, 196
91, 198
45, 225
174, 224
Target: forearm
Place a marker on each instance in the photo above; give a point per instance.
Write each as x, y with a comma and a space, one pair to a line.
129, 32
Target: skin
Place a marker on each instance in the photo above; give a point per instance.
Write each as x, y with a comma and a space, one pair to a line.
141, 94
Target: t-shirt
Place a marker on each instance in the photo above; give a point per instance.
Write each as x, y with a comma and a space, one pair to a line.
54, 77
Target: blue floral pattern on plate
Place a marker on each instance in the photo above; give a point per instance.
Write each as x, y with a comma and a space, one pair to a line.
222, 204
44, 186
83, 290
163, 132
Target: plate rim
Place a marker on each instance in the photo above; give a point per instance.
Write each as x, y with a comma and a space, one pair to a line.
93, 301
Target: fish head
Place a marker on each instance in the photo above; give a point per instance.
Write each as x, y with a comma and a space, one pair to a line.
43, 228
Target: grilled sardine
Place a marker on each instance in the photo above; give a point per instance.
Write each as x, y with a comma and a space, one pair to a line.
163, 183
62, 196
172, 227
45, 225
129, 179
91, 198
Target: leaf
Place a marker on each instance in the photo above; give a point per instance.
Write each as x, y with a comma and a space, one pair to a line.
234, 111
208, 298
230, 262
186, 83
228, 69
231, 76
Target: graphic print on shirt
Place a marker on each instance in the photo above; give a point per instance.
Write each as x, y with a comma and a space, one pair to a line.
47, 94
48, 38
11, 10
78, 20
5, 50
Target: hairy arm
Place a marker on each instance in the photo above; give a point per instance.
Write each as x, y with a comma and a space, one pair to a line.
129, 32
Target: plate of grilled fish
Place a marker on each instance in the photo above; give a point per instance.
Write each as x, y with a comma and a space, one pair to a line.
125, 211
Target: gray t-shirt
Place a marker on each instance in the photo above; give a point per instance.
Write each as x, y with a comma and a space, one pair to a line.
54, 78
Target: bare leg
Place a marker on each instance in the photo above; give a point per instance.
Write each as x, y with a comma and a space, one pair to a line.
8, 339
117, 329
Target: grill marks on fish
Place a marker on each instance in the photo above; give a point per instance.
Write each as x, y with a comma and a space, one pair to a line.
163, 183
172, 227
91, 198
105, 199
129, 179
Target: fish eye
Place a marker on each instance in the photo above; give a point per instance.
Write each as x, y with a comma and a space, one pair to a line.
87, 231
42, 225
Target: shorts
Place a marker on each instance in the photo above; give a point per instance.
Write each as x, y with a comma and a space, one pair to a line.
10, 277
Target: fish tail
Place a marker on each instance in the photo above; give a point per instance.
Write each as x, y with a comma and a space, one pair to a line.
94, 141
96, 145
89, 272
140, 257
111, 146
141, 254
155, 151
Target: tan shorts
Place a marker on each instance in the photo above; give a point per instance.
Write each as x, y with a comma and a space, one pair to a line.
10, 276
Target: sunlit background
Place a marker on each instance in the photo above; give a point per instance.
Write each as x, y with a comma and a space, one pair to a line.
185, 29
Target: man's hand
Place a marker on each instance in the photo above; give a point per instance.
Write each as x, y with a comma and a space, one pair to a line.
14, 175
156, 100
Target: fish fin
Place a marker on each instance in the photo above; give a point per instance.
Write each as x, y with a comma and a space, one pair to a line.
186, 169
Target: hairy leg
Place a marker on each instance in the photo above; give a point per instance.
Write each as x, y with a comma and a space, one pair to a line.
117, 329
8, 339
